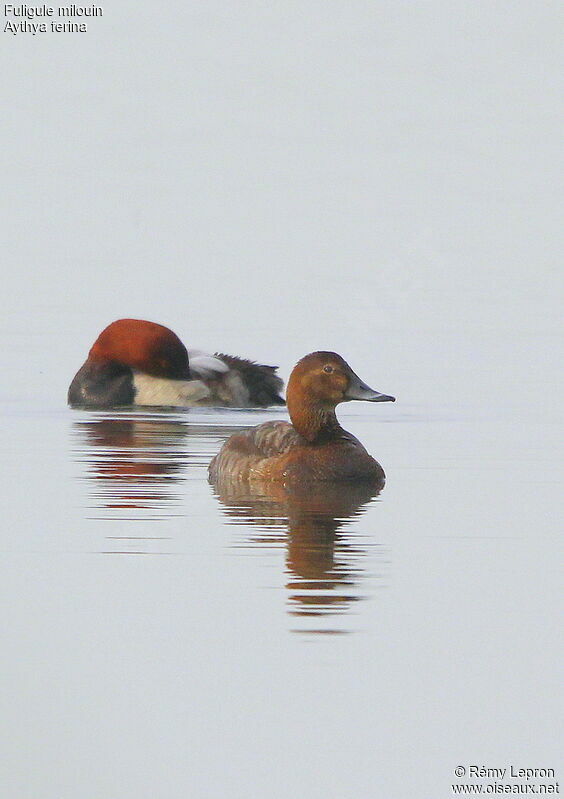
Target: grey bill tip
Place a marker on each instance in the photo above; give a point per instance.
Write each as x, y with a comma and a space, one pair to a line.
360, 391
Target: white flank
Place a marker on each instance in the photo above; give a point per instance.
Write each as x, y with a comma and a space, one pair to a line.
162, 391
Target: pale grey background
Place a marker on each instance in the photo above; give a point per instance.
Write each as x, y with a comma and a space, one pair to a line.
380, 178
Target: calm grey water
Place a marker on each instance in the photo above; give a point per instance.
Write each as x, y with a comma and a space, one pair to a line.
159, 640
376, 178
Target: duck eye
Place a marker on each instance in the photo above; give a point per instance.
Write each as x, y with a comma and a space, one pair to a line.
328, 369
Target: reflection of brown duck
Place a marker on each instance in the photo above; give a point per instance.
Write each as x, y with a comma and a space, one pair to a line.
323, 568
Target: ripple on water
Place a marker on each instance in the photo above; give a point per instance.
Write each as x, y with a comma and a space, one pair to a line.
146, 468
325, 563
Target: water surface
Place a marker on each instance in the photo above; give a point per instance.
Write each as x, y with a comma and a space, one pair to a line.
179, 634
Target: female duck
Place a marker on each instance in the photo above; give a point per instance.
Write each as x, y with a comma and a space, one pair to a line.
133, 362
315, 446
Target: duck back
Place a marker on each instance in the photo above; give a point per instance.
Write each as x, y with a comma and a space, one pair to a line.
260, 381
275, 451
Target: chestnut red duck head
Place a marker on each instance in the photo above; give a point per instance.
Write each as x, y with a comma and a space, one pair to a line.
326, 379
143, 346
319, 382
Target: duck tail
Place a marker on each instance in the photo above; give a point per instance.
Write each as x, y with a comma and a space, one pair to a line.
262, 382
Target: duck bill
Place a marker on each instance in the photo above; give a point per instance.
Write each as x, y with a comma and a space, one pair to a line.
358, 390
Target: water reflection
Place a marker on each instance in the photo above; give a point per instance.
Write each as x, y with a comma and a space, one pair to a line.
324, 561
152, 467
136, 466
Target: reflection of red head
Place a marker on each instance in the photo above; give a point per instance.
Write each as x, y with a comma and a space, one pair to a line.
129, 458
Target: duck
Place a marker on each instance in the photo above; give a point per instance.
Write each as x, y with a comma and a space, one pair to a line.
313, 446
136, 362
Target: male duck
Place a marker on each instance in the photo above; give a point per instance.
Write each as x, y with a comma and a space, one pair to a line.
314, 447
134, 362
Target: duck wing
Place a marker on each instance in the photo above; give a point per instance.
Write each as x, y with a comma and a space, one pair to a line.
261, 381
273, 438
244, 452
206, 366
